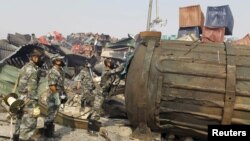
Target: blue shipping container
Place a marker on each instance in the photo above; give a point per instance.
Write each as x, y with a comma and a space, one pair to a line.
220, 16
183, 31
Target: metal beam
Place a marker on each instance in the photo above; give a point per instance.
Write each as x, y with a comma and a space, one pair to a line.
149, 14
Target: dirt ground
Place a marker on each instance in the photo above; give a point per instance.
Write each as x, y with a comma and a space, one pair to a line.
63, 133
116, 129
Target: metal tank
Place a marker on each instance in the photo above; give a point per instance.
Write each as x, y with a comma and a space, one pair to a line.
181, 87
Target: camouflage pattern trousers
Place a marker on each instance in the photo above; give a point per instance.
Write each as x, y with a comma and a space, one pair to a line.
53, 102
87, 98
97, 106
26, 122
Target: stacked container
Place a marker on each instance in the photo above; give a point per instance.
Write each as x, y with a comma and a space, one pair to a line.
191, 21
213, 34
244, 41
219, 22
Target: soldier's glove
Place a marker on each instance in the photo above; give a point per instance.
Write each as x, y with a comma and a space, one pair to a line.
113, 71
36, 112
63, 97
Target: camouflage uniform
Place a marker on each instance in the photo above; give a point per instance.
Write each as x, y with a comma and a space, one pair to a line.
55, 77
87, 86
56, 88
27, 88
109, 82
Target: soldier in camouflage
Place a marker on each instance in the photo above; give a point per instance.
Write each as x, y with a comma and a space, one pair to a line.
111, 77
56, 88
109, 82
86, 84
27, 86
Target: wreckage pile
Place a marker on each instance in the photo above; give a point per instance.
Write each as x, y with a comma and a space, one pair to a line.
151, 98
15, 53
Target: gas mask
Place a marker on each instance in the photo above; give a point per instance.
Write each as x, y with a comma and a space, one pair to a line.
41, 60
63, 63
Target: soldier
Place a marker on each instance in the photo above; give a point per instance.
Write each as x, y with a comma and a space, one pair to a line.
56, 88
109, 82
85, 82
111, 79
27, 86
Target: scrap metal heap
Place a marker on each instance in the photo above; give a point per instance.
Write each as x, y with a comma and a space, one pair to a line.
15, 56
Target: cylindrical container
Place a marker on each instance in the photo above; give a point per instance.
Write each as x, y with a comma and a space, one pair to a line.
181, 87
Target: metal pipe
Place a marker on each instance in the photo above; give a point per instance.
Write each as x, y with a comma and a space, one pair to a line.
149, 15
156, 7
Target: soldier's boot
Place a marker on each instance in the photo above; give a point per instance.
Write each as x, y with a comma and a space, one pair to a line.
83, 102
15, 137
94, 127
49, 129
83, 105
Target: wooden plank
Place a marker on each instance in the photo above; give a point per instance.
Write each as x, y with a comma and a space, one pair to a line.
212, 84
167, 106
230, 87
243, 73
179, 67
209, 46
203, 98
242, 52
190, 118
242, 88
242, 61
192, 56
242, 103
204, 103
195, 49
195, 97
186, 124
242, 115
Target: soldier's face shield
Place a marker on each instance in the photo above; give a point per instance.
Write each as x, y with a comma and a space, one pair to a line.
38, 60
61, 62
41, 60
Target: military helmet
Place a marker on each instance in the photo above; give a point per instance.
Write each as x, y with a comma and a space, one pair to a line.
36, 52
57, 56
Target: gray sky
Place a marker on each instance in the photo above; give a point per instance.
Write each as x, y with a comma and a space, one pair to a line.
114, 17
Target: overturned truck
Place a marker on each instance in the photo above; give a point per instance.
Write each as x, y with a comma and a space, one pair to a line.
181, 87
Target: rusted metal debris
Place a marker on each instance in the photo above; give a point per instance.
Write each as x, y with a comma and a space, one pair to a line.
181, 87
65, 119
